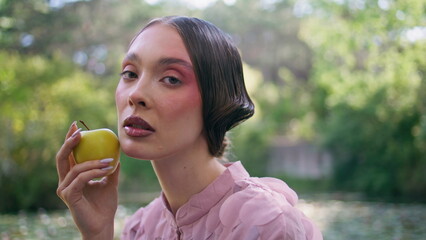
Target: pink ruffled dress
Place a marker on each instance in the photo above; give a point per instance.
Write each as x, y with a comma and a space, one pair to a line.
234, 206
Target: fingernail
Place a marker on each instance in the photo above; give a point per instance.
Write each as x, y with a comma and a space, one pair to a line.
107, 168
107, 160
76, 132
72, 124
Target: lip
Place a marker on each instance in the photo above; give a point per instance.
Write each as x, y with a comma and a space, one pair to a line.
135, 126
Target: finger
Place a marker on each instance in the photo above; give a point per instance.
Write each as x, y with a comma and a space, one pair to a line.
71, 130
71, 160
63, 164
74, 190
70, 133
111, 180
84, 167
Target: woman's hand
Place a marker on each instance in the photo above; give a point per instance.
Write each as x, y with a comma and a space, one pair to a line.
92, 203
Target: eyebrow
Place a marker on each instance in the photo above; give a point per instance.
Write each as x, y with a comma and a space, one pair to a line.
132, 57
169, 61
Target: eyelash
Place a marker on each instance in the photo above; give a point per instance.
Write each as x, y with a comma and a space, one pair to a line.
126, 74
132, 75
177, 81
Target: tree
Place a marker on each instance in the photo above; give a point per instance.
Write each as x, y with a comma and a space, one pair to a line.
94, 34
368, 76
268, 36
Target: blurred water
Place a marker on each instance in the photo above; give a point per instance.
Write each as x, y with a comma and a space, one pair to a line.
337, 220
367, 220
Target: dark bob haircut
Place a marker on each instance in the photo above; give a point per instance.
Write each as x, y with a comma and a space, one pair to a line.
218, 67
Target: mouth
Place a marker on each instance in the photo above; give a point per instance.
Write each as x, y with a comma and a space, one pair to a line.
135, 126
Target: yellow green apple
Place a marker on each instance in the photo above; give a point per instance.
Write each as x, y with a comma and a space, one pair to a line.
98, 144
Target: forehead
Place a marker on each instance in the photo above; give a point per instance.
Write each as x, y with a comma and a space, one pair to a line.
161, 41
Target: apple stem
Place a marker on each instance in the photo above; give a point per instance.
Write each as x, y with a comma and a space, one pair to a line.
82, 122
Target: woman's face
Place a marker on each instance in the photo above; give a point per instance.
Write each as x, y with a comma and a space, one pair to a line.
158, 100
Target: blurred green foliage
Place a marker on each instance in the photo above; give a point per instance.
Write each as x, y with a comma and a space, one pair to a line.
346, 75
369, 95
40, 97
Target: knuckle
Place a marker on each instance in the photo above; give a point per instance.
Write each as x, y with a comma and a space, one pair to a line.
79, 179
65, 196
60, 193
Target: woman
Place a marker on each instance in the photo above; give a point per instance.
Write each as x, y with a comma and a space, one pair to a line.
181, 90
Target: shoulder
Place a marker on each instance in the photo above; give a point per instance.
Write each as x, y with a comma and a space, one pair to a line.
153, 208
265, 207
264, 198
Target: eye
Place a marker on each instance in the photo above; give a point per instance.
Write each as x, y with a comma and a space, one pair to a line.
128, 75
171, 81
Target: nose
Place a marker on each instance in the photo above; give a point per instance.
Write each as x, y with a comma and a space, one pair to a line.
138, 96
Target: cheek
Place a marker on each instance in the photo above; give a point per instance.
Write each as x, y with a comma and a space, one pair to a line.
185, 106
194, 96
119, 97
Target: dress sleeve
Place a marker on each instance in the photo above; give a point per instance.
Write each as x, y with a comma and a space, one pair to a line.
258, 211
293, 225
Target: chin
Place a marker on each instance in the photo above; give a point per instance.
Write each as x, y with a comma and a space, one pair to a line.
138, 152
134, 152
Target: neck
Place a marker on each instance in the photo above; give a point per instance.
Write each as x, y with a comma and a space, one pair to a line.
183, 176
